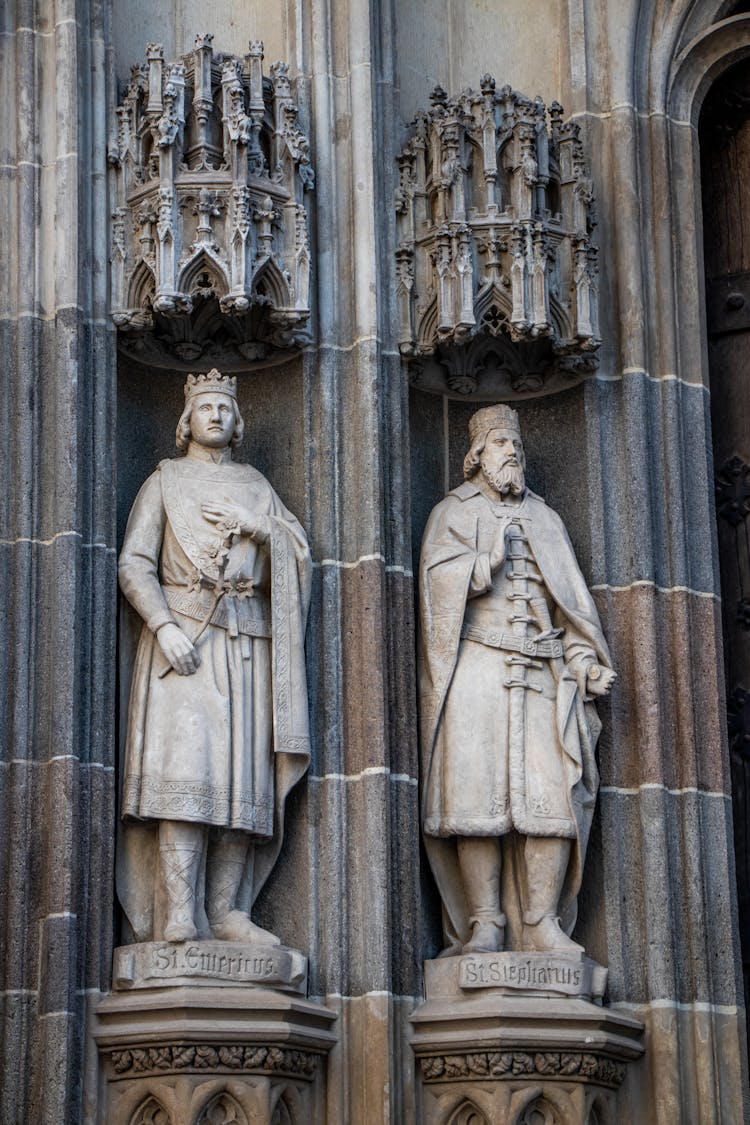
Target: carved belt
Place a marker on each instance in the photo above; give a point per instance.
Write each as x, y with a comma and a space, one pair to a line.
225, 616
509, 643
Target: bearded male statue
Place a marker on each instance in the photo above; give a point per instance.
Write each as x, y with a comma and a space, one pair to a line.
218, 728
511, 656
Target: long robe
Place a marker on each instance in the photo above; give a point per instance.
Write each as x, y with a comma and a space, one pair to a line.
455, 567
223, 746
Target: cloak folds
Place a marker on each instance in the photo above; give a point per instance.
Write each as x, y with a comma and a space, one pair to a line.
452, 565
242, 718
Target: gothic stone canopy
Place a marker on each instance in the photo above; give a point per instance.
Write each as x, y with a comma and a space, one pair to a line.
210, 254
496, 267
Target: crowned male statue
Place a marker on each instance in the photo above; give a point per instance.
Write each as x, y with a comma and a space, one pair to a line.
218, 728
511, 656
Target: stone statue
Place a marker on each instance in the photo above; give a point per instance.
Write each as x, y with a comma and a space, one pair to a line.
511, 655
218, 728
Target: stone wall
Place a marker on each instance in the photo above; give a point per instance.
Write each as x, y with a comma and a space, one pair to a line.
57, 703
625, 458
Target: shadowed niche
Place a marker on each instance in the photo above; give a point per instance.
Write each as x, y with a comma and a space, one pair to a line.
468, 1114
151, 1112
540, 1112
223, 1110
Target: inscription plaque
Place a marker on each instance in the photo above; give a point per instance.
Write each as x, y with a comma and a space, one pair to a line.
158, 964
556, 973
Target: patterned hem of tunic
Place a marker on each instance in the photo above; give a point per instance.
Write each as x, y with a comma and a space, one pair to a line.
197, 801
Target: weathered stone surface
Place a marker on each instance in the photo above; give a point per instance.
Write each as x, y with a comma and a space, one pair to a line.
189, 1045
663, 712
497, 1053
386, 1084
658, 950
656, 511
657, 898
470, 39
56, 539
143, 23
678, 1078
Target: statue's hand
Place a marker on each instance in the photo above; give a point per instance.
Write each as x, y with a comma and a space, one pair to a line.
599, 680
178, 649
498, 550
234, 515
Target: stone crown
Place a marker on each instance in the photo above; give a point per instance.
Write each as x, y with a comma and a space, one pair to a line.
500, 417
213, 381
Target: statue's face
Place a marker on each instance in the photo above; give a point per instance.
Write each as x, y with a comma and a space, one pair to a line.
503, 447
503, 461
212, 419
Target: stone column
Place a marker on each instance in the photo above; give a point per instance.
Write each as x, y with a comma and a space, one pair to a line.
362, 786
667, 873
57, 594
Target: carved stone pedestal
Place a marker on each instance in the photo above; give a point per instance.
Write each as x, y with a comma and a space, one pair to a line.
514, 1039
187, 1038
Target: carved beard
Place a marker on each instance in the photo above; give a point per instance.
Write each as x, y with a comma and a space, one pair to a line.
510, 478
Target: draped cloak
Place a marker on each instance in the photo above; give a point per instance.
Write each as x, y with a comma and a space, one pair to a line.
225, 745
452, 570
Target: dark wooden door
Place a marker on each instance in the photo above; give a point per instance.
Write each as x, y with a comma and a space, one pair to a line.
725, 174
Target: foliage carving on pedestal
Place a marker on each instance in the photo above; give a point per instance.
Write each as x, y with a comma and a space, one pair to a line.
479, 1065
244, 1058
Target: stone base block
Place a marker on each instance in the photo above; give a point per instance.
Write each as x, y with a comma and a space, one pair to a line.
199, 1054
520, 1049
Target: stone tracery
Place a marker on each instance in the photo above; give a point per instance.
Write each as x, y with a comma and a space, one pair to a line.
210, 229
495, 218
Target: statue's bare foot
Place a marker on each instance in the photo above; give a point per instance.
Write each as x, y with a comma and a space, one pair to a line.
547, 936
236, 926
486, 937
180, 929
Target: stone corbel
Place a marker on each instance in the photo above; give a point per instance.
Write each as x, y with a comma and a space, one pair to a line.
519, 260
219, 217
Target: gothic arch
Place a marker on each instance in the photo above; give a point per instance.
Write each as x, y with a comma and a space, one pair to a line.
690, 73
467, 1114
151, 1112
559, 319
427, 325
492, 295
291, 1107
702, 61
203, 262
141, 287
475, 188
270, 280
599, 1113
282, 1115
222, 1109
543, 1105
539, 1112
